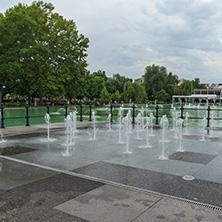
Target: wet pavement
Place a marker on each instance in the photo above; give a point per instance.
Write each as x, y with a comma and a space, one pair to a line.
96, 181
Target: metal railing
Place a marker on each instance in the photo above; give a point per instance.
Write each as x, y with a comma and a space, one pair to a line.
135, 110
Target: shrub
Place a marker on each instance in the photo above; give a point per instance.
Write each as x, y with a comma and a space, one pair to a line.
11, 104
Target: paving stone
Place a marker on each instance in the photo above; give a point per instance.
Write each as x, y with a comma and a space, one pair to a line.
201, 190
35, 201
108, 204
192, 157
173, 211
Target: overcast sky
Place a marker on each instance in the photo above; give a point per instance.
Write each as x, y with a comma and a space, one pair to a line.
125, 36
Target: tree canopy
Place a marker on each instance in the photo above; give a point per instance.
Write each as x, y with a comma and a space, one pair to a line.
41, 53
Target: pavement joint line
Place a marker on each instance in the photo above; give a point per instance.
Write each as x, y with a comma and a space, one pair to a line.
147, 209
119, 185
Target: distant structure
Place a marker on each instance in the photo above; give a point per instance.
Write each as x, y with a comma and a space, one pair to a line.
201, 95
139, 80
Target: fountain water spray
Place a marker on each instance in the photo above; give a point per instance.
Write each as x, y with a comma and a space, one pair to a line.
204, 123
212, 123
164, 123
138, 122
109, 122
1, 135
186, 123
94, 125
147, 134
151, 124
47, 120
120, 119
70, 133
142, 118
180, 128
174, 117
176, 125
127, 122
74, 121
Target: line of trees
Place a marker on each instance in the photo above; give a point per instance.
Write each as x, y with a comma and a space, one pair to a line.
162, 86
43, 54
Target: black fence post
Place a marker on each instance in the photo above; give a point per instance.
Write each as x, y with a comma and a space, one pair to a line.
208, 117
133, 122
157, 114
2, 116
81, 112
111, 112
27, 115
66, 110
47, 108
90, 112
182, 109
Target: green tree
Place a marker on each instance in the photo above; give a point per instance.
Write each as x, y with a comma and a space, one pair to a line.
140, 93
95, 86
171, 85
100, 73
128, 91
154, 79
119, 82
186, 88
104, 96
50, 51
15, 29
197, 85
116, 96
162, 95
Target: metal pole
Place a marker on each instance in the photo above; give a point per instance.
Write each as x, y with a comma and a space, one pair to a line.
133, 122
66, 109
81, 113
90, 112
181, 115
111, 112
47, 108
2, 116
208, 117
27, 115
157, 114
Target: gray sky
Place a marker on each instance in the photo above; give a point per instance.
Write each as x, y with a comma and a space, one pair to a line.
126, 35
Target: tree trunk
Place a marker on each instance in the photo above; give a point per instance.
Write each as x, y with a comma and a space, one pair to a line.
29, 99
40, 97
0, 97
40, 86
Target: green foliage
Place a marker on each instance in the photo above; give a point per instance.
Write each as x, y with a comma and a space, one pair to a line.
197, 85
95, 86
128, 91
116, 96
104, 96
41, 53
140, 95
162, 95
11, 104
186, 88
155, 79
